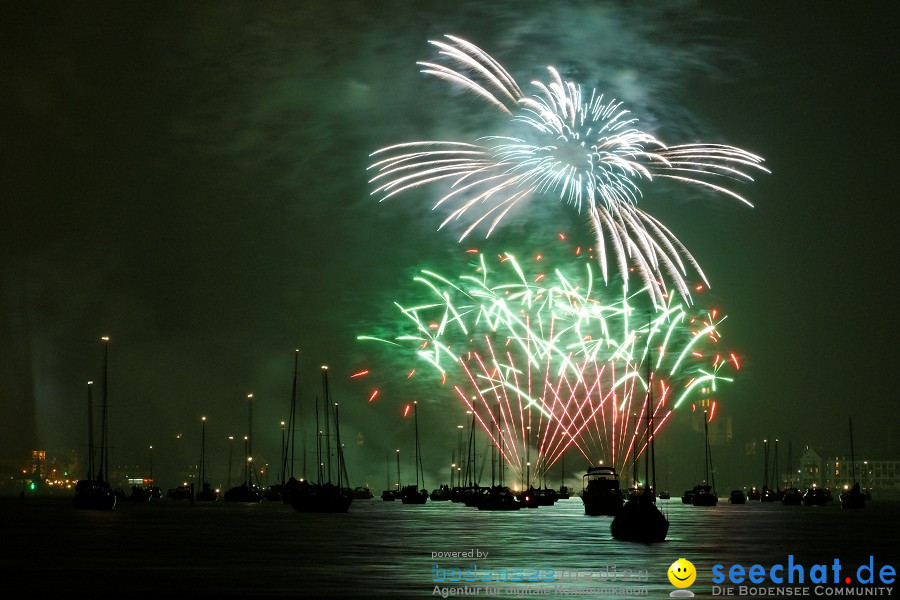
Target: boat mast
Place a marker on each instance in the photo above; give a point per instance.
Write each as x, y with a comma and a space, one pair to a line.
418, 451
647, 420
562, 476
341, 466
708, 453
202, 451
706, 435
502, 461
493, 458
246, 461
283, 452
852, 456
790, 465
104, 439
230, 458
452, 465
776, 475
398, 471
528, 454
634, 467
90, 475
305, 469
291, 425
249, 439
319, 462
470, 453
651, 437
326, 407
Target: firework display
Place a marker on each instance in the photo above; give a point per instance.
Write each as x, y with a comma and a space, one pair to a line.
568, 145
547, 361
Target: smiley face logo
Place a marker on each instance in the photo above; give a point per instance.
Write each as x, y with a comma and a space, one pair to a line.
682, 573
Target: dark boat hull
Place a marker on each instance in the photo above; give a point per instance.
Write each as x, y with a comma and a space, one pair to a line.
853, 500
179, 493
207, 494
325, 498
441, 494
546, 496
702, 495
704, 499
640, 521
290, 490
792, 497
410, 495
94, 495
529, 499
601, 493
139, 495
814, 497
243, 493
498, 499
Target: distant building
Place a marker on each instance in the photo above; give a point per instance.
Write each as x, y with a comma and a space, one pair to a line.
809, 470
882, 477
38, 457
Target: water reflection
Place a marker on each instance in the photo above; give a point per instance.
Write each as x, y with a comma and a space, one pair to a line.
382, 549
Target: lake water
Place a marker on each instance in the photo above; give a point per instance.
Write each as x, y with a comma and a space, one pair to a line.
385, 549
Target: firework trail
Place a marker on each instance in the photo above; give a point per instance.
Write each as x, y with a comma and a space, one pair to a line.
576, 147
546, 362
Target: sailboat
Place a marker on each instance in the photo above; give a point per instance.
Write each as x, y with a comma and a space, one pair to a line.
814, 496
853, 498
704, 494
563, 493
472, 491
325, 496
411, 494
766, 495
389, 495
95, 492
639, 520
291, 487
206, 493
247, 491
444, 491
498, 496
792, 496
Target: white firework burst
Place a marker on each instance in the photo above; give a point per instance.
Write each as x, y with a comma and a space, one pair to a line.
585, 151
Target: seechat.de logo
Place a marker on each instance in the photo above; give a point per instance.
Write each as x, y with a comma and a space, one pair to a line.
682, 574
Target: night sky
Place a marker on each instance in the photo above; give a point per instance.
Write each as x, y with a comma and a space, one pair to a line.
190, 179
